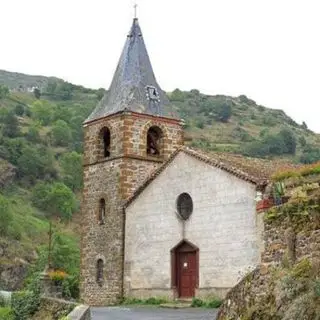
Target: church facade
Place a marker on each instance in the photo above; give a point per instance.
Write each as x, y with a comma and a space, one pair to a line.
158, 219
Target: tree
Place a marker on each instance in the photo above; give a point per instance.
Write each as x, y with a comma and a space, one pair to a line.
65, 90
62, 200
42, 111
61, 133
289, 140
71, 164
55, 198
224, 112
11, 125
61, 112
13, 148
30, 164
19, 109
40, 195
100, 93
177, 95
310, 155
51, 86
37, 93
36, 163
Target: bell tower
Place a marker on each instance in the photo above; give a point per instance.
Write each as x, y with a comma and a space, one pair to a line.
130, 133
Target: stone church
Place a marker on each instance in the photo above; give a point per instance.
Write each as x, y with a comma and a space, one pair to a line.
159, 219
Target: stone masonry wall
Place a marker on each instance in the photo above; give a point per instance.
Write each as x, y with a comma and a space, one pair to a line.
284, 235
223, 226
114, 179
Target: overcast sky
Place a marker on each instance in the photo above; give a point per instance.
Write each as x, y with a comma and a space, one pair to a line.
268, 50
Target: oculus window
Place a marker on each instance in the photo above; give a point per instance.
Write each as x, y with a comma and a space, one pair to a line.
184, 206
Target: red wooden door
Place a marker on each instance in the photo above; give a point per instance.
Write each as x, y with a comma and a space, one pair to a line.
187, 274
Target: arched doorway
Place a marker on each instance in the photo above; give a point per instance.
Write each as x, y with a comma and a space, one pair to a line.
185, 269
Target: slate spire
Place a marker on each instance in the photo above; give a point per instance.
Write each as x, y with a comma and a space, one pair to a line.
134, 86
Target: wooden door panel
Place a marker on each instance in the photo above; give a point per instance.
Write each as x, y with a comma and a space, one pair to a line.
187, 274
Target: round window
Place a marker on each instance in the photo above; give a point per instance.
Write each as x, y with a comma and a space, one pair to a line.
184, 205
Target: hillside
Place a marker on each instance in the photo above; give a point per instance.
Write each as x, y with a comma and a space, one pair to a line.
41, 160
213, 123
20, 81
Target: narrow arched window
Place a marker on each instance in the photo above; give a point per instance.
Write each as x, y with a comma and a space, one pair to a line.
99, 278
105, 139
154, 141
102, 211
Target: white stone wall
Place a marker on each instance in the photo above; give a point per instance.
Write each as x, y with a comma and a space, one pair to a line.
223, 226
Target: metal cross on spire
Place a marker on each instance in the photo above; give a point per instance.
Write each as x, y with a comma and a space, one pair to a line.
135, 10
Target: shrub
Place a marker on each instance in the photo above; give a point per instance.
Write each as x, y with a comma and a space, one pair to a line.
196, 303
214, 303
24, 304
70, 286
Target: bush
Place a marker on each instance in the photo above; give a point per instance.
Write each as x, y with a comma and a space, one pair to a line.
214, 303
196, 303
24, 304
